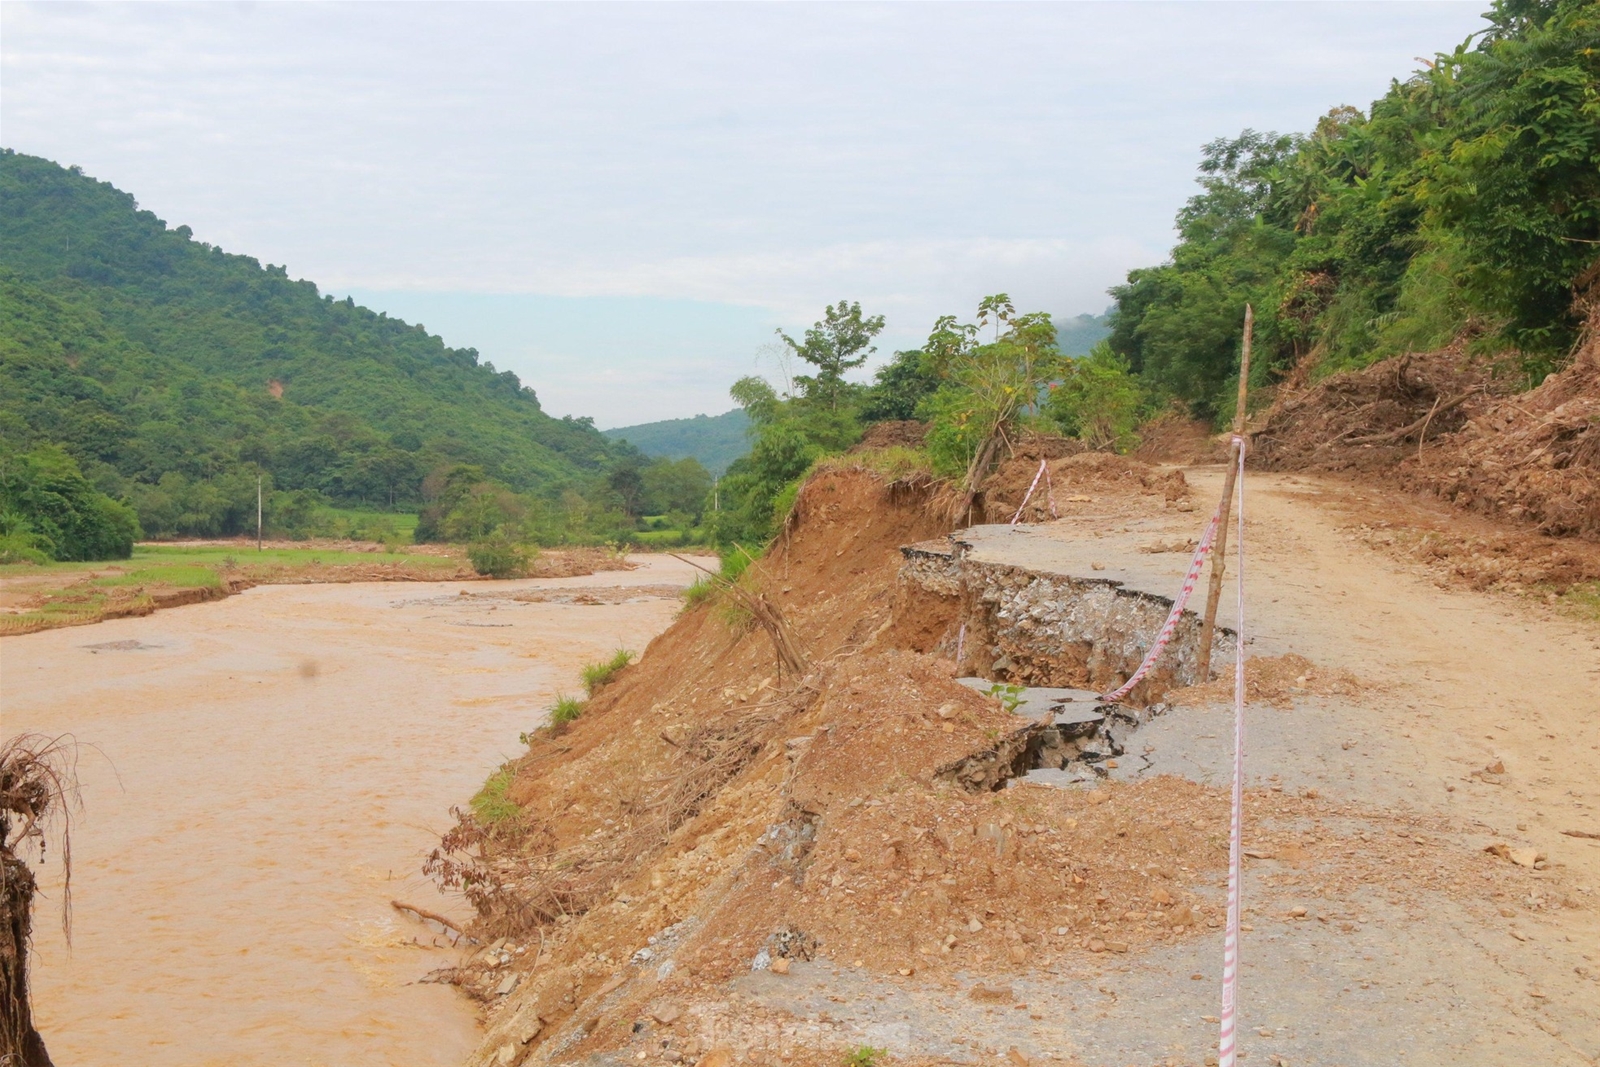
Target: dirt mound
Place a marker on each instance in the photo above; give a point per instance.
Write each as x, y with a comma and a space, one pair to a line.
1173, 437
1445, 424
904, 433
1075, 477
1533, 458
1371, 419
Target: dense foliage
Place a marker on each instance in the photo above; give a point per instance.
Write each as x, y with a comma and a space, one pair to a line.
49, 510
977, 385
174, 373
1465, 201
714, 440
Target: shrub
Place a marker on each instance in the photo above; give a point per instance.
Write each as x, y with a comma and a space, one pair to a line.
19, 543
864, 1056
597, 675
1098, 401
501, 555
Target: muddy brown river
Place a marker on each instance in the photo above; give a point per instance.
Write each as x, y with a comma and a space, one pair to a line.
261, 776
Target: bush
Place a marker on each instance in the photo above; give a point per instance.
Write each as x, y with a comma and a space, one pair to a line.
50, 507
1097, 401
501, 555
864, 1056
597, 675
19, 543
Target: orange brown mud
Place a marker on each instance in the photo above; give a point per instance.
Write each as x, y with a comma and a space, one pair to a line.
711, 814
261, 776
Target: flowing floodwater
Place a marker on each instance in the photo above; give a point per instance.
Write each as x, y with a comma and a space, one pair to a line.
261, 776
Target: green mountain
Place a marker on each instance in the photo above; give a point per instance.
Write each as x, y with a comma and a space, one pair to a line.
714, 440
172, 372
1075, 336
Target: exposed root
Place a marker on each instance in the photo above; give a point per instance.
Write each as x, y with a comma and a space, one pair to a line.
38, 791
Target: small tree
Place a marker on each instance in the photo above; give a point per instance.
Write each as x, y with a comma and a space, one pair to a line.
841, 342
1097, 401
988, 386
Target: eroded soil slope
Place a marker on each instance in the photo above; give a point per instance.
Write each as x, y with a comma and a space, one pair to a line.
726, 861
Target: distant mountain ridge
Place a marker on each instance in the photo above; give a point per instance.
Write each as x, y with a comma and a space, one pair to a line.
158, 360
1075, 336
714, 440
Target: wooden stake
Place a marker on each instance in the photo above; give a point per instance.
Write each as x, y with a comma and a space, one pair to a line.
1219, 546
258, 513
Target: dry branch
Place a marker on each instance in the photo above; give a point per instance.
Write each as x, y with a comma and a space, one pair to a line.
791, 657
450, 925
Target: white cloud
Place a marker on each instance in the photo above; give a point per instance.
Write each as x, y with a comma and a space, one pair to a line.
910, 156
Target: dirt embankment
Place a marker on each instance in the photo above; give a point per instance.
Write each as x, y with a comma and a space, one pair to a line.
709, 810
1453, 426
711, 814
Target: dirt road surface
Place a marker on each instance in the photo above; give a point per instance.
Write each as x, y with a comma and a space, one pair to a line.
261, 776
1466, 719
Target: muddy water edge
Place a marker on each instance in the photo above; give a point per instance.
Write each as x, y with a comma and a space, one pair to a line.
261, 776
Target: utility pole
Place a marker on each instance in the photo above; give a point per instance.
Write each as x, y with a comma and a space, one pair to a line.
258, 512
1219, 546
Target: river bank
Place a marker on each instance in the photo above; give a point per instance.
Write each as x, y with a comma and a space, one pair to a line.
261, 776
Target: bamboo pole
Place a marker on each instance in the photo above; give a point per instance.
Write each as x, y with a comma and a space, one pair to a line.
1219, 547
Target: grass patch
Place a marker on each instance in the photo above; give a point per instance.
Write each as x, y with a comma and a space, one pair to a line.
597, 675
566, 709
490, 804
703, 589
1583, 600
68, 593
892, 463
177, 575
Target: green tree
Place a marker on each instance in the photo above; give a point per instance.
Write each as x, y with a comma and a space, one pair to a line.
675, 486
988, 387
899, 386
48, 506
840, 342
1097, 400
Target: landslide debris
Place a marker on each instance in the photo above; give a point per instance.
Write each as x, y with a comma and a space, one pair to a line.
1534, 457
1444, 423
710, 815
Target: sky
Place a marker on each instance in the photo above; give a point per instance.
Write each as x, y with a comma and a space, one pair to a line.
621, 202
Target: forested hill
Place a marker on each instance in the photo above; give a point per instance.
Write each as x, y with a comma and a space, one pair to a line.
172, 371
1462, 205
714, 440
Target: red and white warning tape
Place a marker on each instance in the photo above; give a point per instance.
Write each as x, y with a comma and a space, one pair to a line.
1171, 625
1042, 472
1226, 1047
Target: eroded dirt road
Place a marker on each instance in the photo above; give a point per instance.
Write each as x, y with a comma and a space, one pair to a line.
261, 776
1473, 714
